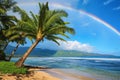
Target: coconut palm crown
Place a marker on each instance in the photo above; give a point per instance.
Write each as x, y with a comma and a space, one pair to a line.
48, 24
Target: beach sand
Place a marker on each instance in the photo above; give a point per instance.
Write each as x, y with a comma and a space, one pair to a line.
44, 74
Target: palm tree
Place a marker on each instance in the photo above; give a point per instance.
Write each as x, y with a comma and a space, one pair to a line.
20, 40
15, 34
48, 24
6, 21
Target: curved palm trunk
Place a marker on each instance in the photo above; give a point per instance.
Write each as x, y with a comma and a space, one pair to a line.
20, 62
13, 52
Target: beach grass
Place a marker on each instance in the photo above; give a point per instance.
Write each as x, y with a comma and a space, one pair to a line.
10, 68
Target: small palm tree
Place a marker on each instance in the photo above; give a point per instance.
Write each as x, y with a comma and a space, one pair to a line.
48, 24
6, 21
20, 40
15, 34
15, 49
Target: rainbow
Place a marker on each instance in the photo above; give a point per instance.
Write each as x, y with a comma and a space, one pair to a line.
100, 21
56, 5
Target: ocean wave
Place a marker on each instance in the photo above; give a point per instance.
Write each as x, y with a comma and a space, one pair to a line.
108, 59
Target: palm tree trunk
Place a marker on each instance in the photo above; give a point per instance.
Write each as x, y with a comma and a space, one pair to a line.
13, 52
5, 46
20, 62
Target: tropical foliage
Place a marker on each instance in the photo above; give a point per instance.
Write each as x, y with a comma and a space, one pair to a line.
10, 29
47, 24
6, 21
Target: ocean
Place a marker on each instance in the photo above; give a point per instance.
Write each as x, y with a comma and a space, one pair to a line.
97, 68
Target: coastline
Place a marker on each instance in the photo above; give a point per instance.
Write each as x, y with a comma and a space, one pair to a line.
69, 68
44, 74
59, 73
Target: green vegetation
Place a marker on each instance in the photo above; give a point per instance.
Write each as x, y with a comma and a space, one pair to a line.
10, 68
64, 53
6, 22
47, 24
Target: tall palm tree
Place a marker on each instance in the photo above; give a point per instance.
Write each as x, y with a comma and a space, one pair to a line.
48, 24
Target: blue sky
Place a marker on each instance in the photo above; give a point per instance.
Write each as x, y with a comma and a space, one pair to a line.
96, 23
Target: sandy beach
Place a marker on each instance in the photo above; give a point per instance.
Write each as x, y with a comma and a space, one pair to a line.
44, 74
34, 74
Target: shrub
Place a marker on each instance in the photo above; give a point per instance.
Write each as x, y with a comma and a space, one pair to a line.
10, 68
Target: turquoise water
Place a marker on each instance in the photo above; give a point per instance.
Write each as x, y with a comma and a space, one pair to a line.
98, 68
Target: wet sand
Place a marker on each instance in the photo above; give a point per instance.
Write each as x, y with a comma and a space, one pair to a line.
67, 76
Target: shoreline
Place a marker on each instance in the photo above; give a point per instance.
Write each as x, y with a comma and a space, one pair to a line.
67, 76
44, 74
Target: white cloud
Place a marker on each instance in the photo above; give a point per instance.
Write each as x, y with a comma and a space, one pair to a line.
108, 2
69, 45
60, 6
63, 2
54, 4
75, 45
117, 8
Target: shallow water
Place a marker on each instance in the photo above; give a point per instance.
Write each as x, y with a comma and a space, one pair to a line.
98, 68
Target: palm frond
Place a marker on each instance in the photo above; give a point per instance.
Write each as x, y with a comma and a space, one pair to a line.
35, 20
55, 38
42, 15
55, 17
47, 24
